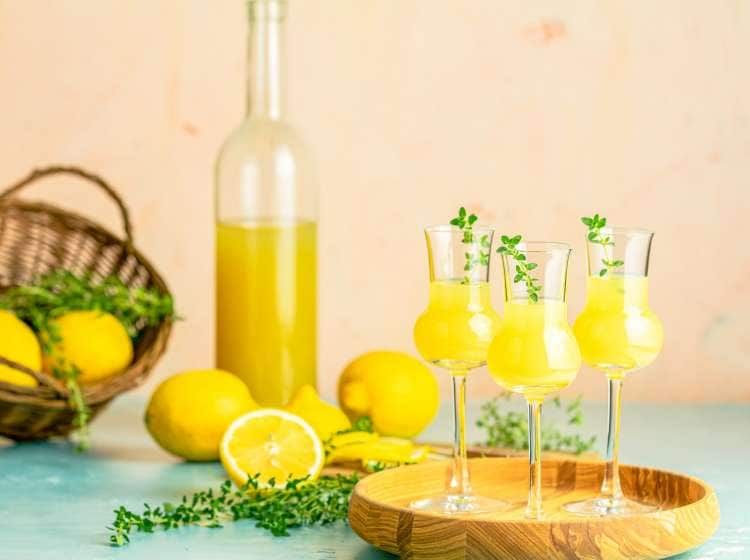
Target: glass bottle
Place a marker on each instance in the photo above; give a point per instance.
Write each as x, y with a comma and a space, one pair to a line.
266, 228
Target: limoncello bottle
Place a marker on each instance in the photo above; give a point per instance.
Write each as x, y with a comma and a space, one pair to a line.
266, 228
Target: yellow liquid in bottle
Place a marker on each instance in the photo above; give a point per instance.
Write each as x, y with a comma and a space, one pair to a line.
617, 331
458, 325
266, 306
535, 352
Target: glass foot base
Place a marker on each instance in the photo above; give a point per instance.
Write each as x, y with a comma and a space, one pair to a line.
453, 504
606, 507
533, 513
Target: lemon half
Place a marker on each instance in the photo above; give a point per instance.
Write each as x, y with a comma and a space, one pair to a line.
273, 444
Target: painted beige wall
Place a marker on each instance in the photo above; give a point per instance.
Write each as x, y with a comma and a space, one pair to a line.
533, 113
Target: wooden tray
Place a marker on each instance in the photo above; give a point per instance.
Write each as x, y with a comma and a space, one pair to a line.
378, 513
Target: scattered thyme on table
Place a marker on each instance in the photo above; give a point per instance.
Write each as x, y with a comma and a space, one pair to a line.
299, 503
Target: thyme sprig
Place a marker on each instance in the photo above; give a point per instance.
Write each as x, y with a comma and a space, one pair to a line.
595, 223
523, 266
511, 429
80, 436
299, 503
55, 293
362, 424
479, 255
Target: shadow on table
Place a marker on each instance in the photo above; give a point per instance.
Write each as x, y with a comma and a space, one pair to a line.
106, 451
131, 453
372, 553
9, 447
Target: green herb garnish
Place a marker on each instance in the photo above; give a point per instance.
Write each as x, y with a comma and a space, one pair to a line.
55, 293
362, 424
80, 434
374, 466
523, 266
595, 223
511, 429
479, 255
298, 504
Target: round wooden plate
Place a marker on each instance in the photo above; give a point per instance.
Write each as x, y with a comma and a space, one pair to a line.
379, 514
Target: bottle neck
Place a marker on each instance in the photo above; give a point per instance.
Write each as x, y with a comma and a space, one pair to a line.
265, 58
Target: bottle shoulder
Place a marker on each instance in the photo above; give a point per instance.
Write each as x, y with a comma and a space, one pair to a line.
263, 170
256, 137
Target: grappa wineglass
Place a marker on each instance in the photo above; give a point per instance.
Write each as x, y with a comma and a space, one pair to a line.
618, 334
534, 352
454, 333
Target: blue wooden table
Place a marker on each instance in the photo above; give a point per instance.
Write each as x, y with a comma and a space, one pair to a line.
55, 503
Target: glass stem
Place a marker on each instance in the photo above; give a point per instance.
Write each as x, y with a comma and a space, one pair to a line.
459, 483
611, 484
534, 507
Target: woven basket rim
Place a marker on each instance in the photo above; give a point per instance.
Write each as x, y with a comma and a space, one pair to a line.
137, 371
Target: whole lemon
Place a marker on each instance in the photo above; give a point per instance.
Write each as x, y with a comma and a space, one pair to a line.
189, 412
18, 343
395, 390
94, 342
325, 418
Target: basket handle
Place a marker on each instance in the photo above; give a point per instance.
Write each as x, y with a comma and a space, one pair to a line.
43, 379
70, 170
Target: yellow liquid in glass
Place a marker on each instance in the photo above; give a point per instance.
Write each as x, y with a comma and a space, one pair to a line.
535, 352
616, 329
266, 306
458, 325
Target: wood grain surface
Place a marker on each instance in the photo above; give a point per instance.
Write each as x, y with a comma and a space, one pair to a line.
378, 512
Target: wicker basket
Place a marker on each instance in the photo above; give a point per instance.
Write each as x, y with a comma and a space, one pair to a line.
35, 238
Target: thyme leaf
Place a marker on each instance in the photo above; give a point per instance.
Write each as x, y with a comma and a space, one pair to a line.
523, 266
479, 254
595, 223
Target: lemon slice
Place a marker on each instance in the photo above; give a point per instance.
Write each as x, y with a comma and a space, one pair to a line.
418, 455
384, 449
272, 443
349, 438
